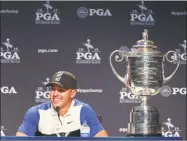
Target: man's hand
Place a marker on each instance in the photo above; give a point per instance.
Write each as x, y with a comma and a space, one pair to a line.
102, 133
20, 134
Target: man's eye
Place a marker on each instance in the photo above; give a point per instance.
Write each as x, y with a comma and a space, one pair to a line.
52, 88
61, 90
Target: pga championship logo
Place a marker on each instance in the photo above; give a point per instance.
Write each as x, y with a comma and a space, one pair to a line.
123, 130
42, 93
88, 54
127, 97
167, 91
9, 53
172, 57
8, 90
83, 12
170, 130
142, 16
49, 15
3, 131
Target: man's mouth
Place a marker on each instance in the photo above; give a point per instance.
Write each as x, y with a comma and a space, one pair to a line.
56, 99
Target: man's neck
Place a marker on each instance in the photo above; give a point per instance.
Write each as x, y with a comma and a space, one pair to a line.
64, 110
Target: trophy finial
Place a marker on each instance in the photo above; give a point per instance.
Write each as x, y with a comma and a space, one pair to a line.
145, 34
144, 42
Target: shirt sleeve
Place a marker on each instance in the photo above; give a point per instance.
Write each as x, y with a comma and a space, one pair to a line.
88, 114
29, 125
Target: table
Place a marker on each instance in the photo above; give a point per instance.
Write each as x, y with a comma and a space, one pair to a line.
87, 138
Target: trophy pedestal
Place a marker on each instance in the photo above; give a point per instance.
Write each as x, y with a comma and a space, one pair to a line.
144, 120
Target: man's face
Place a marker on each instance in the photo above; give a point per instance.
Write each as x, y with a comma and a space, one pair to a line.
61, 97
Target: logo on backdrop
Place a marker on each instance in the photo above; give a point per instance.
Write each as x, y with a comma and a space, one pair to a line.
88, 55
83, 12
174, 13
89, 91
169, 129
9, 53
8, 90
42, 93
142, 16
127, 97
167, 91
2, 131
9, 11
172, 57
47, 51
47, 15
124, 130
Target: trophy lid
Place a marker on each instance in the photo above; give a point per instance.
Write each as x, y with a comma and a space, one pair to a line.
144, 43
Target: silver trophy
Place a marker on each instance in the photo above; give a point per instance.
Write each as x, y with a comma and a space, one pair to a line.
144, 77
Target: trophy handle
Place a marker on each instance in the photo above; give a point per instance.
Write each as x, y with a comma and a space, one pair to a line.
165, 80
117, 58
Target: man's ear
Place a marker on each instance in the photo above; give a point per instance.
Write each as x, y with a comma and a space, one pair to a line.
73, 93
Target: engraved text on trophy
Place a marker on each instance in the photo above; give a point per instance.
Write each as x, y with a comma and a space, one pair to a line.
146, 71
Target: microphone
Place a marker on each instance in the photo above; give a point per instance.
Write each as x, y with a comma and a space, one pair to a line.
60, 134
57, 109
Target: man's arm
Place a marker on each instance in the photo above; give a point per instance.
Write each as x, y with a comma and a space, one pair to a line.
29, 125
96, 129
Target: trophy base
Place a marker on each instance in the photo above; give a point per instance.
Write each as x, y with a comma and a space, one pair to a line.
144, 135
144, 121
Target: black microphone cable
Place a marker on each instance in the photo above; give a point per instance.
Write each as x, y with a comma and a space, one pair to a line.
57, 109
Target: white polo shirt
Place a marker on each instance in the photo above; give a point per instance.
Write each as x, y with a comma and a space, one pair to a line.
42, 120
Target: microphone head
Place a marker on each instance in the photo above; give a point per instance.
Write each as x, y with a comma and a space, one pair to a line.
57, 108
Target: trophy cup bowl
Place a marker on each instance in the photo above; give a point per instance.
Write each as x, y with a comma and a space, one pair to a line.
144, 77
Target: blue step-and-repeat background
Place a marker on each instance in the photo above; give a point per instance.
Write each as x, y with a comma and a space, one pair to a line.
39, 38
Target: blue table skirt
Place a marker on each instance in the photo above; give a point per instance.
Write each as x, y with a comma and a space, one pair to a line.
87, 138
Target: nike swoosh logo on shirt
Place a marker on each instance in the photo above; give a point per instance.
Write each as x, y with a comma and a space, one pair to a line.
69, 122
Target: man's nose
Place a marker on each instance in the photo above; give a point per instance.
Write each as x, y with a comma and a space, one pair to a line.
55, 93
